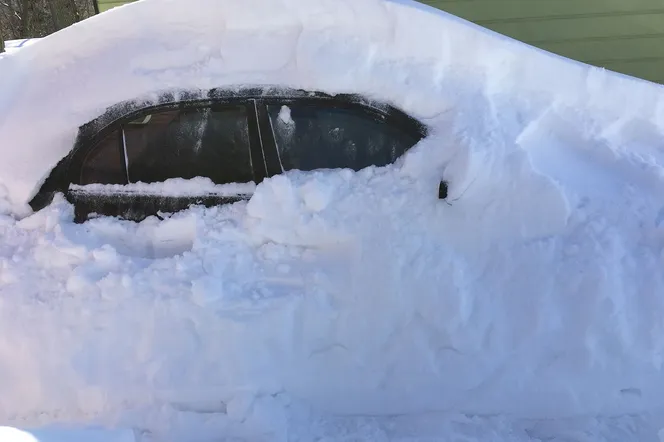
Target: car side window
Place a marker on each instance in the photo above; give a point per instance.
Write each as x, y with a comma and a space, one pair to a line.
320, 136
103, 163
228, 136
208, 142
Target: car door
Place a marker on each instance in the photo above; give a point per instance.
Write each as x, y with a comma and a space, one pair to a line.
166, 159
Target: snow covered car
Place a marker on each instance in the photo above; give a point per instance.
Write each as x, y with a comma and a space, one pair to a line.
344, 297
215, 149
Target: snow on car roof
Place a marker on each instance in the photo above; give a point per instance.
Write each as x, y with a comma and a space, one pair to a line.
368, 46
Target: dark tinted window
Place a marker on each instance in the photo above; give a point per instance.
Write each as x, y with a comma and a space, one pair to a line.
103, 164
315, 136
187, 143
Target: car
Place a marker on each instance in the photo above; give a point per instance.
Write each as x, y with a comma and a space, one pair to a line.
229, 136
330, 292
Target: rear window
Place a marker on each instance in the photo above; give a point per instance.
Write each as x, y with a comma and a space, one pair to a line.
313, 136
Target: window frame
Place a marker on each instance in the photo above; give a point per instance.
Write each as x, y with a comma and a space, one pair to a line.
263, 150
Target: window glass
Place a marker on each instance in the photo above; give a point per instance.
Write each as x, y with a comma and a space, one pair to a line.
207, 142
103, 164
314, 136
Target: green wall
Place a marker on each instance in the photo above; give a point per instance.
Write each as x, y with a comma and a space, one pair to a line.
622, 35
105, 5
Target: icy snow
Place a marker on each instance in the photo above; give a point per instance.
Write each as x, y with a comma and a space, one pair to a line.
333, 304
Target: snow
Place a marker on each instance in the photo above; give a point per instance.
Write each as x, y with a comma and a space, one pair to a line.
170, 187
15, 45
285, 116
10, 434
336, 305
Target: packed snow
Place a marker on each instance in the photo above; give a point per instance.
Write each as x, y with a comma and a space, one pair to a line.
340, 305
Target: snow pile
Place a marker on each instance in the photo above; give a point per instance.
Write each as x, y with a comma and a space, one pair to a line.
534, 292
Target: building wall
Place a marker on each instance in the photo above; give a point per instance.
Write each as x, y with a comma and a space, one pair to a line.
622, 35
105, 5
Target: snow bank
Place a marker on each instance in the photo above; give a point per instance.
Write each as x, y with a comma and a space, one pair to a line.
535, 291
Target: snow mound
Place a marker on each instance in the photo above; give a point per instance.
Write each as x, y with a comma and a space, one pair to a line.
534, 292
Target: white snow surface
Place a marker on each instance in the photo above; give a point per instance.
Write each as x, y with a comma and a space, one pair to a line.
15, 45
337, 305
10, 434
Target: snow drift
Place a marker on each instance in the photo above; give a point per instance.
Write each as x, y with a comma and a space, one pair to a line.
536, 290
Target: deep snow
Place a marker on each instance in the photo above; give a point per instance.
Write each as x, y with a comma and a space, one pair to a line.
529, 306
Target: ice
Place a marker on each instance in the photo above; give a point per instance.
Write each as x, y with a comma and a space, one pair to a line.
340, 305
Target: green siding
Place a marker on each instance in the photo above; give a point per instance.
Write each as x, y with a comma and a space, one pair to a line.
105, 5
489, 11
622, 35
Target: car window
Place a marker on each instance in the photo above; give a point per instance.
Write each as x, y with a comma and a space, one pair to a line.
187, 143
318, 136
103, 164
218, 138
